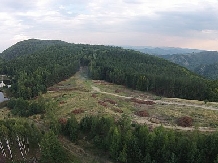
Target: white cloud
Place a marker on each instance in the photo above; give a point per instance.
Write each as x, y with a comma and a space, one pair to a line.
144, 22
20, 37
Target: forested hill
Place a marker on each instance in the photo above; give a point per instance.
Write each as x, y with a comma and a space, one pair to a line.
193, 60
200, 63
47, 65
28, 47
209, 71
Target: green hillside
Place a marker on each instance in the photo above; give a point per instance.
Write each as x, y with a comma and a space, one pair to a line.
200, 63
28, 47
193, 60
148, 73
32, 74
209, 71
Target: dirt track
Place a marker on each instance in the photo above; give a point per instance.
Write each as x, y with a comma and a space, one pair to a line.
188, 105
96, 89
145, 120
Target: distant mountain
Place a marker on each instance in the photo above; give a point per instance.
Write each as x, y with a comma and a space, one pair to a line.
28, 47
209, 71
204, 63
162, 50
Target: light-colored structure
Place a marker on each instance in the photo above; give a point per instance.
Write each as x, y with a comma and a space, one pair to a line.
2, 84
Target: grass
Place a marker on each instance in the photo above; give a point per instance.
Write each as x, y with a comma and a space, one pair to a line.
202, 117
5, 113
77, 93
81, 97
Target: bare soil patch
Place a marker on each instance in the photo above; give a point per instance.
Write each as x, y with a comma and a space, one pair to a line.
94, 95
110, 101
139, 101
62, 121
117, 110
185, 121
142, 113
78, 111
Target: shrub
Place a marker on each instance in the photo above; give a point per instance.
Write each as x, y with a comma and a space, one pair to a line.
185, 121
142, 113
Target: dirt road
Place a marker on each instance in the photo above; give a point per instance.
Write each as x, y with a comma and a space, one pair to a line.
143, 120
96, 89
187, 105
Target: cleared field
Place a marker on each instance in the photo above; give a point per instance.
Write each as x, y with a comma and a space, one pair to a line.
81, 96
4, 113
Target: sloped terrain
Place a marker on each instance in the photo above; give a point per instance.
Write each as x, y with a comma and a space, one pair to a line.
52, 64
193, 60
209, 71
96, 97
83, 97
28, 47
202, 63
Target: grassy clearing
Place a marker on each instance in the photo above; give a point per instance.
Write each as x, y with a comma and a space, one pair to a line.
5, 113
77, 93
170, 113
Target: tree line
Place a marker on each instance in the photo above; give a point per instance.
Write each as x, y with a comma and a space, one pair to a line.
25, 108
128, 143
119, 139
33, 74
148, 73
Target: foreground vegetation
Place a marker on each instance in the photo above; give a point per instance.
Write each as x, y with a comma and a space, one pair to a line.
119, 140
21, 141
126, 143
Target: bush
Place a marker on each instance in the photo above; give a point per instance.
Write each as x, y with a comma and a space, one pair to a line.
185, 121
24, 108
142, 113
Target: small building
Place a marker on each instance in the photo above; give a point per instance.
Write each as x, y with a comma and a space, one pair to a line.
2, 84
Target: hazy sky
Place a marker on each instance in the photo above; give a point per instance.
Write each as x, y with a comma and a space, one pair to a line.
174, 23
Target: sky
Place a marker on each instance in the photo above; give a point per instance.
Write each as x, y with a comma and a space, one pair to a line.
168, 23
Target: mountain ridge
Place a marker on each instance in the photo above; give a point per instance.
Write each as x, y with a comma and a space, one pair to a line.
162, 50
200, 63
28, 47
